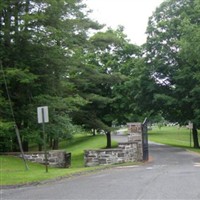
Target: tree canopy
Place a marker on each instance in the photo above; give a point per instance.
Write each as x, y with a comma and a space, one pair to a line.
50, 58
171, 48
38, 48
92, 78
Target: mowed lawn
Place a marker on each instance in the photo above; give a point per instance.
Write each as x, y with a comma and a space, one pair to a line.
174, 135
12, 169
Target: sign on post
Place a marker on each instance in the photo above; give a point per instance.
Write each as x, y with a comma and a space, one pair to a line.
190, 125
43, 117
43, 114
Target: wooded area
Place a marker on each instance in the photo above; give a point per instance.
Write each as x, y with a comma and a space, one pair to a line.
94, 82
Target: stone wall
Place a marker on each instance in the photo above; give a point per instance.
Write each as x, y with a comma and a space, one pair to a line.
126, 152
56, 158
130, 151
103, 157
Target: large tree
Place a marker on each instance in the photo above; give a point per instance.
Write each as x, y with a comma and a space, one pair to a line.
101, 80
38, 47
171, 31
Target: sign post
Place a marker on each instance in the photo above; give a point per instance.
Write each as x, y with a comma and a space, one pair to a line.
190, 125
43, 117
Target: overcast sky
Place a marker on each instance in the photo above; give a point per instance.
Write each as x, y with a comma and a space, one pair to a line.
132, 14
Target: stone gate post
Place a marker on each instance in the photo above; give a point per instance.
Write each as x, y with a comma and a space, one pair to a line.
135, 136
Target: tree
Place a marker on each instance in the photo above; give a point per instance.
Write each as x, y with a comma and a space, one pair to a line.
100, 80
38, 43
172, 69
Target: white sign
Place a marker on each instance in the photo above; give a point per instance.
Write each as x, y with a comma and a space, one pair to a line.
190, 125
43, 114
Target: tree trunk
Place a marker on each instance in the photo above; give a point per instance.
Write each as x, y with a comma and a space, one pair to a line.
40, 142
195, 136
108, 136
27, 12
39, 147
55, 144
15, 145
94, 132
16, 14
7, 21
50, 142
25, 145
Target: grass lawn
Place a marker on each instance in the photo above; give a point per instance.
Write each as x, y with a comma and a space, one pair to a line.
174, 136
12, 170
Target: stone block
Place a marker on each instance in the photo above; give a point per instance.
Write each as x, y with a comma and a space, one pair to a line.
120, 160
120, 154
34, 155
27, 157
53, 159
39, 160
92, 164
102, 161
92, 155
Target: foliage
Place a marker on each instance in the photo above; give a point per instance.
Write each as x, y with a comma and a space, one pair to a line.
38, 46
6, 135
80, 78
49, 57
171, 30
100, 80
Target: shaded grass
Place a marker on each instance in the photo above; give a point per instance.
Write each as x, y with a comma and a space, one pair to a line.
12, 169
174, 136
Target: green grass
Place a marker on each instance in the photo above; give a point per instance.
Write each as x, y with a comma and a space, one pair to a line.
78, 145
12, 169
174, 136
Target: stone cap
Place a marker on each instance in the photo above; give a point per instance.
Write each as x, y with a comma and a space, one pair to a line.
134, 123
101, 150
57, 151
134, 127
127, 143
31, 152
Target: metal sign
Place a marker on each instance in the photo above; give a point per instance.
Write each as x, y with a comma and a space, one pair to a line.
190, 125
43, 114
43, 117
145, 140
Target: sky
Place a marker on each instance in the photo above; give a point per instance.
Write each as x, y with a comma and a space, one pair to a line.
132, 14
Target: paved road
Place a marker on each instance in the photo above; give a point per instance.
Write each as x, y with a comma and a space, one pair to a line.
171, 174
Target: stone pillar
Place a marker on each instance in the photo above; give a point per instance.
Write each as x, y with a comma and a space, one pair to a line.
135, 132
59, 158
135, 136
